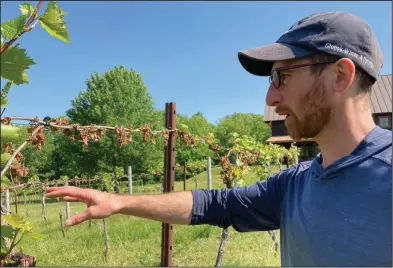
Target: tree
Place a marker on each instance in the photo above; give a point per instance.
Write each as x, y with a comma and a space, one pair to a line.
248, 124
198, 126
40, 163
118, 97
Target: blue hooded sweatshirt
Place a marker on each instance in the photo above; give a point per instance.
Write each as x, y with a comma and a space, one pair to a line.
337, 216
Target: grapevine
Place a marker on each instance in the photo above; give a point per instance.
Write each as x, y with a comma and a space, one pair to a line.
84, 134
14, 65
235, 160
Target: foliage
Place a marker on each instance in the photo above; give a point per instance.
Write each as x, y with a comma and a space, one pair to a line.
244, 124
196, 167
41, 163
263, 156
53, 22
244, 151
15, 62
118, 97
193, 168
17, 227
198, 125
105, 181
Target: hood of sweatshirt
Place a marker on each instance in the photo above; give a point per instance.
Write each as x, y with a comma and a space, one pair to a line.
377, 141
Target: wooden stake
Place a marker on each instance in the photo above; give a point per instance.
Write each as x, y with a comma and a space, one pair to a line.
43, 206
61, 223
224, 239
67, 205
106, 241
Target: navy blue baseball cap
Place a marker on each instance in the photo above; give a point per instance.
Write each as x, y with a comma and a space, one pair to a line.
338, 33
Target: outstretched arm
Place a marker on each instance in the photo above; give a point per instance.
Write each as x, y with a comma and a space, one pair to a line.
174, 208
250, 208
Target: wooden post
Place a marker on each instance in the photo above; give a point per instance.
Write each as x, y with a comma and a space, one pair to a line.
67, 205
7, 201
61, 223
5, 211
106, 241
43, 206
209, 173
169, 181
129, 173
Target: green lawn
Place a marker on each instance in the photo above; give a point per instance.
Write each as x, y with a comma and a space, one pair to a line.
137, 242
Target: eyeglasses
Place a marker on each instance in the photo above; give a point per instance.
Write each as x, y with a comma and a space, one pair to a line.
275, 76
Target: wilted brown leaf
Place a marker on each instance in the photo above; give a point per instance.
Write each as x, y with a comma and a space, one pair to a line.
145, 131
6, 120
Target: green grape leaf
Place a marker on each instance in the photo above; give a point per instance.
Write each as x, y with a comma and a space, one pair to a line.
26, 9
11, 28
7, 231
17, 221
14, 63
52, 21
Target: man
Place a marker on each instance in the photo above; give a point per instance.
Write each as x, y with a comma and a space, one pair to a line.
333, 211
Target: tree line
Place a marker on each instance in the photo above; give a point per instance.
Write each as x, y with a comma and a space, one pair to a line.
119, 96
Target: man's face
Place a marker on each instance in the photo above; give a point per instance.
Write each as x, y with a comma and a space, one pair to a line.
303, 97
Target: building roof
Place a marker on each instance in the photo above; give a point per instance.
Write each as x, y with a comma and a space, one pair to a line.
381, 99
285, 139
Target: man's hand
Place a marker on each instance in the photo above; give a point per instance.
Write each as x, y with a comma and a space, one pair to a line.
174, 208
99, 204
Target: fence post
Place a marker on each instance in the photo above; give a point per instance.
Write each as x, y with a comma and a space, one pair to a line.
67, 204
7, 201
209, 173
43, 205
129, 173
169, 181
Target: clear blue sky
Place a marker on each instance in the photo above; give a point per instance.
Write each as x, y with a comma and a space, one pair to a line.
185, 51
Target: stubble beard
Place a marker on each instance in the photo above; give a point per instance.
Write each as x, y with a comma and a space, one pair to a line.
315, 116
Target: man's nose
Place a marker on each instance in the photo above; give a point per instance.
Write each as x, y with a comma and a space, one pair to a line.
273, 96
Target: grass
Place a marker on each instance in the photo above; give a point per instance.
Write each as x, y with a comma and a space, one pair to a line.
137, 242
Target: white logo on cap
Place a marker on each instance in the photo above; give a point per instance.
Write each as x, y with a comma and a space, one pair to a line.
363, 59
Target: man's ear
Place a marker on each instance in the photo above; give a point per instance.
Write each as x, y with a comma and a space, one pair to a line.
345, 74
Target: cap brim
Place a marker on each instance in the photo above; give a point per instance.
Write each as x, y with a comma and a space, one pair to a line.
259, 61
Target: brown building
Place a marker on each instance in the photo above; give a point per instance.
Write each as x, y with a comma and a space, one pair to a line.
381, 106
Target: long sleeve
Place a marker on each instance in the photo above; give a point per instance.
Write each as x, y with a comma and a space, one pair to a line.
251, 208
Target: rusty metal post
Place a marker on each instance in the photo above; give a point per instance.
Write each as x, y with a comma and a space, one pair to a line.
169, 181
